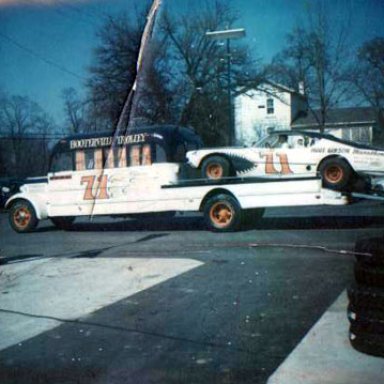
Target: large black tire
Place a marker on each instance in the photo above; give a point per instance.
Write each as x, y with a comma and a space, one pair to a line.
365, 314
370, 251
336, 173
22, 217
369, 343
222, 213
369, 275
63, 222
365, 320
215, 168
366, 298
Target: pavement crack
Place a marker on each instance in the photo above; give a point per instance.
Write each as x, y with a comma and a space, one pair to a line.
131, 330
306, 246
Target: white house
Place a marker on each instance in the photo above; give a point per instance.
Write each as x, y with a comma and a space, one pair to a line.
358, 124
277, 107
270, 107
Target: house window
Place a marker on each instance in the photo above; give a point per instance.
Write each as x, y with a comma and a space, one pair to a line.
270, 106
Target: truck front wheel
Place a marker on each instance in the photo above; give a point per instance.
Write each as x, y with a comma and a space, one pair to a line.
22, 217
222, 213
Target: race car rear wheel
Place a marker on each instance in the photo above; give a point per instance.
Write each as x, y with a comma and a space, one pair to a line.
22, 216
222, 213
215, 168
336, 173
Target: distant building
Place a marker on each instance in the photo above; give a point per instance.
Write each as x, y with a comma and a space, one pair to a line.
270, 107
276, 107
359, 124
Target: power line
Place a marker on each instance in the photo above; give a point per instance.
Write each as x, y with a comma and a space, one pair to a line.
88, 14
40, 57
66, 7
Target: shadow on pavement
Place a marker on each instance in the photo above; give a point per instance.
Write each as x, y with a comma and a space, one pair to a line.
197, 224
20, 258
189, 329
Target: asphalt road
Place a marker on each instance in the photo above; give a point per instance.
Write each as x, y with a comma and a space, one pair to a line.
126, 301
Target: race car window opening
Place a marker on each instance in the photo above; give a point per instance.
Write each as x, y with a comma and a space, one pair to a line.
267, 142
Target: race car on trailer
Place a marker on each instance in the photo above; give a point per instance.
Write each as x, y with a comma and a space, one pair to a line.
340, 163
140, 174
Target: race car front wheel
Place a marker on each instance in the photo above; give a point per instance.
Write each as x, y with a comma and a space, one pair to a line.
336, 173
22, 216
215, 168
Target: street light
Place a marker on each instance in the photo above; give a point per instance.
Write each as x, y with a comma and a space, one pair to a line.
228, 34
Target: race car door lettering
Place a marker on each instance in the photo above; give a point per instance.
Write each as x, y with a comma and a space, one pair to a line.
101, 189
270, 166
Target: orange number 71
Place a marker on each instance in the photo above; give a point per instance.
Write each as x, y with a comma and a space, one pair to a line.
270, 166
101, 190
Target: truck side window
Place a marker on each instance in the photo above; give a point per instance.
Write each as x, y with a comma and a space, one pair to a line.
134, 155
99, 161
62, 161
121, 158
108, 158
146, 156
89, 155
180, 153
80, 160
161, 155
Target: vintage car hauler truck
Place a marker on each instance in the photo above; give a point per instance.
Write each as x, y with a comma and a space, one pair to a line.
141, 173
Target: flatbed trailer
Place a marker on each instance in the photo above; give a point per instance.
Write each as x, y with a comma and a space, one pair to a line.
133, 191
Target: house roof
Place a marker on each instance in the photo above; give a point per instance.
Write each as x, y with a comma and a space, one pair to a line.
281, 87
337, 116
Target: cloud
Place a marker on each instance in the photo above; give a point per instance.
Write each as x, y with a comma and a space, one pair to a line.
37, 2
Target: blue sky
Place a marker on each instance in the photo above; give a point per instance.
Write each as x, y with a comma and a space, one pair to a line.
46, 45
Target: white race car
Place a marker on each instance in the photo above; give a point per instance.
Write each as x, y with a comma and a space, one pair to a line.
293, 153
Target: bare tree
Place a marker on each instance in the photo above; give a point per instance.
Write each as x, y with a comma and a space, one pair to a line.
75, 110
200, 67
114, 69
367, 78
317, 54
24, 131
184, 79
367, 73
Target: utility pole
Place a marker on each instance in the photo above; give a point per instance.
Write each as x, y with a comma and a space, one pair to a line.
228, 34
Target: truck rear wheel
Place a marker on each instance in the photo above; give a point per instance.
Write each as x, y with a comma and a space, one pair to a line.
222, 213
22, 217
